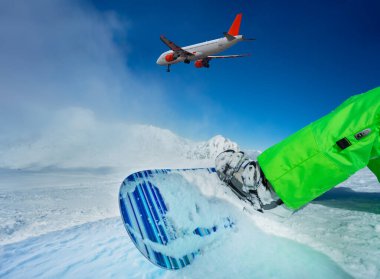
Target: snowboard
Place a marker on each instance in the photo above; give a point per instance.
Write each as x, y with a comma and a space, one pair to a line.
172, 215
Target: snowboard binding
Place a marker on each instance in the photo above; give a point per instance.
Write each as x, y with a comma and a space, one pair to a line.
246, 180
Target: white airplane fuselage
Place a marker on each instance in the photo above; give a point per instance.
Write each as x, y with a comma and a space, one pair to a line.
201, 50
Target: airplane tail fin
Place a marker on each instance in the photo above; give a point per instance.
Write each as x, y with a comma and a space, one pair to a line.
234, 29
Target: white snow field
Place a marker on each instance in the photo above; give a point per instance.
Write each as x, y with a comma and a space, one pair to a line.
60, 219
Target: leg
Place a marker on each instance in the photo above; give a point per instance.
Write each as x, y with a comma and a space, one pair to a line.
326, 152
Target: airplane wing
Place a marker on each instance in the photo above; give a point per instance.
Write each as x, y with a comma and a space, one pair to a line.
227, 56
174, 47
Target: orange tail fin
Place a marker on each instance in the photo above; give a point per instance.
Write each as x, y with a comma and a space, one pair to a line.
234, 29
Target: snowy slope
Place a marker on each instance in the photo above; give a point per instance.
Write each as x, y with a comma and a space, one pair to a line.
54, 193
320, 241
102, 250
60, 219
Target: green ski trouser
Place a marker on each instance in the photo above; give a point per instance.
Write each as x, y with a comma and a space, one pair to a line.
326, 152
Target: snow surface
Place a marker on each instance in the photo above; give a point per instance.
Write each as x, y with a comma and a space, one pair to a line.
59, 218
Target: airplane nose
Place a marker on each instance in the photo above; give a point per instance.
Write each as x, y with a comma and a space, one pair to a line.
159, 62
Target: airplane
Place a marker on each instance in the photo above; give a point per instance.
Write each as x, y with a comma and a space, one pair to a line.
202, 53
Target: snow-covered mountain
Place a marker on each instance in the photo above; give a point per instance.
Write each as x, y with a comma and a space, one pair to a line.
75, 138
211, 148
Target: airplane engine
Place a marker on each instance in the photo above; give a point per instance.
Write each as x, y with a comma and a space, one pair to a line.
198, 64
201, 63
170, 57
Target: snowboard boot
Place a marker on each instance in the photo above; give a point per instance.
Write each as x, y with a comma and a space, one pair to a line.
246, 179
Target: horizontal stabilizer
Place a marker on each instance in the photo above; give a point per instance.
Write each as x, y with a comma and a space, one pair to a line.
248, 39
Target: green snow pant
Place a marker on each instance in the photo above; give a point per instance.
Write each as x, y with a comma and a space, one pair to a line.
326, 152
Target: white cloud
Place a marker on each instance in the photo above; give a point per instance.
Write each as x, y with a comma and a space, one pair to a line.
56, 54
75, 138
61, 72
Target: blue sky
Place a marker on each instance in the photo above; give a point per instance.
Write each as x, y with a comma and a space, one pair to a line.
100, 55
309, 56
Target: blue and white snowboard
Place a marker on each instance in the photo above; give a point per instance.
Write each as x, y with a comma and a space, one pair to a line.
172, 215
